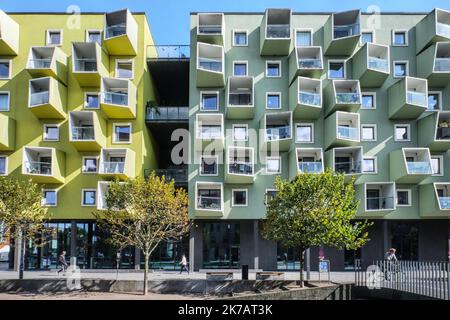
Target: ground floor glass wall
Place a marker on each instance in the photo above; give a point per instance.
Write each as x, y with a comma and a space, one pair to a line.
221, 245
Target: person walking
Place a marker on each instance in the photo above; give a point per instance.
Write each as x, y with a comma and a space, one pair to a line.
391, 263
62, 262
183, 264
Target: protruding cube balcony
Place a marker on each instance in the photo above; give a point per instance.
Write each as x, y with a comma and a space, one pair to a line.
240, 165
342, 129
434, 131
371, 65
378, 198
117, 163
9, 35
89, 63
410, 165
210, 65
346, 160
305, 160
47, 61
305, 98
86, 130
275, 35
47, 98
121, 33
434, 64
208, 199
343, 95
277, 129
433, 28
434, 200
306, 62
210, 27
43, 165
408, 98
240, 98
209, 131
118, 98
342, 32
7, 133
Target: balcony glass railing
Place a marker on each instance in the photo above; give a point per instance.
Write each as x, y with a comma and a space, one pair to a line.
348, 97
115, 30
86, 65
419, 167
208, 133
278, 31
310, 98
444, 202
351, 167
342, 31
239, 99
237, 167
39, 63
170, 51
178, 175
309, 63
204, 202
36, 167
442, 65
278, 133
379, 64
168, 114
417, 98
83, 133
112, 167
443, 133
382, 203
348, 133
310, 167
443, 29
210, 64
39, 98
210, 29
116, 98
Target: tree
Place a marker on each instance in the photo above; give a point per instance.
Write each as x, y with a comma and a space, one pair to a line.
143, 213
314, 210
22, 213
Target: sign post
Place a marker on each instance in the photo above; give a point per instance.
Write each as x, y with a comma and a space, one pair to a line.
324, 267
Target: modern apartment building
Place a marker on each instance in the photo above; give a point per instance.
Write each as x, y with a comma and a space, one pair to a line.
278, 93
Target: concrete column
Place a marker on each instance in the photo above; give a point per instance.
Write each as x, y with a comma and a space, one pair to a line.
308, 263
137, 258
17, 249
448, 237
256, 244
386, 243
73, 243
191, 248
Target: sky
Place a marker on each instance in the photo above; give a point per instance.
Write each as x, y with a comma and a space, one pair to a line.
169, 19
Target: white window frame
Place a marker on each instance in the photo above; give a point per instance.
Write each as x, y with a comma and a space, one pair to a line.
200, 166
374, 126
47, 37
265, 194
441, 165
233, 204
82, 197
439, 93
311, 124
10, 69
6, 165
372, 31
409, 197
279, 66
83, 164
241, 126
201, 100
240, 31
91, 94
116, 69
43, 197
406, 62
375, 165
311, 37
374, 97
122, 124
45, 126
274, 94
344, 61
86, 39
394, 31
246, 67
402, 125
280, 170
9, 101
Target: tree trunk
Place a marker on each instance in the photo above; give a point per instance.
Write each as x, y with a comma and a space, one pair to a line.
302, 267
146, 274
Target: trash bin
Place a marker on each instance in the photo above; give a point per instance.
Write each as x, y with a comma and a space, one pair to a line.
244, 272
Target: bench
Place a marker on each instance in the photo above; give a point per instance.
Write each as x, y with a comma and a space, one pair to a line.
219, 276
269, 275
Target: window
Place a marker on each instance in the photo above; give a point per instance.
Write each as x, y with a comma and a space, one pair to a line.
273, 100
90, 165
240, 68
367, 37
368, 101
304, 133
122, 133
403, 197
4, 101
124, 69
51, 132
369, 132
94, 36
209, 101
209, 166
336, 69
437, 165
3, 166
5, 69
434, 101
402, 132
399, 38
239, 197
273, 165
303, 38
49, 198
88, 197
270, 194
54, 37
369, 165
240, 132
401, 69
92, 101
240, 38
273, 69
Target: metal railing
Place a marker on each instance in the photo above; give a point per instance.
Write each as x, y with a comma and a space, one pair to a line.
379, 64
39, 63
348, 133
239, 99
210, 64
210, 29
379, 203
343, 31
39, 98
443, 133
309, 63
115, 30
443, 29
167, 113
278, 31
444, 202
310, 98
210, 132
120, 99
419, 167
277, 133
442, 65
425, 278
112, 167
204, 202
180, 176
417, 98
348, 167
83, 133
240, 167
37, 167
171, 51
86, 65
348, 97
310, 167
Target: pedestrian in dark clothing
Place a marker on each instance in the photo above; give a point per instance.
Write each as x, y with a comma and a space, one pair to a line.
62, 262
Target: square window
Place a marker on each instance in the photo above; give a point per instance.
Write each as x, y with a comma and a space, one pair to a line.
369, 165
51, 132
240, 38
4, 101
437, 165
273, 165
270, 195
434, 101
208, 166
5, 69
400, 38
239, 69
401, 133
122, 133
368, 133
403, 197
400, 69
124, 69
366, 37
92, 101
209, 101
303, 38
304, 133
2, 165
54, 37
89, 197
239, 197
336, 69
273, 101
368, 101
273, 69
89, 165
240, 133
49, 198
94, 36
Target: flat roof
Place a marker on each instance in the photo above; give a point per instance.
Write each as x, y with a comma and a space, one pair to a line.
320, 13
66, 13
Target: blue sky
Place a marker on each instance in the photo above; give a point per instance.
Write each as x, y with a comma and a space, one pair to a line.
169, 19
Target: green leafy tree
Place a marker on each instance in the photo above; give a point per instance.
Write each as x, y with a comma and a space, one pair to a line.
143, 213
314, 210
21, 212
